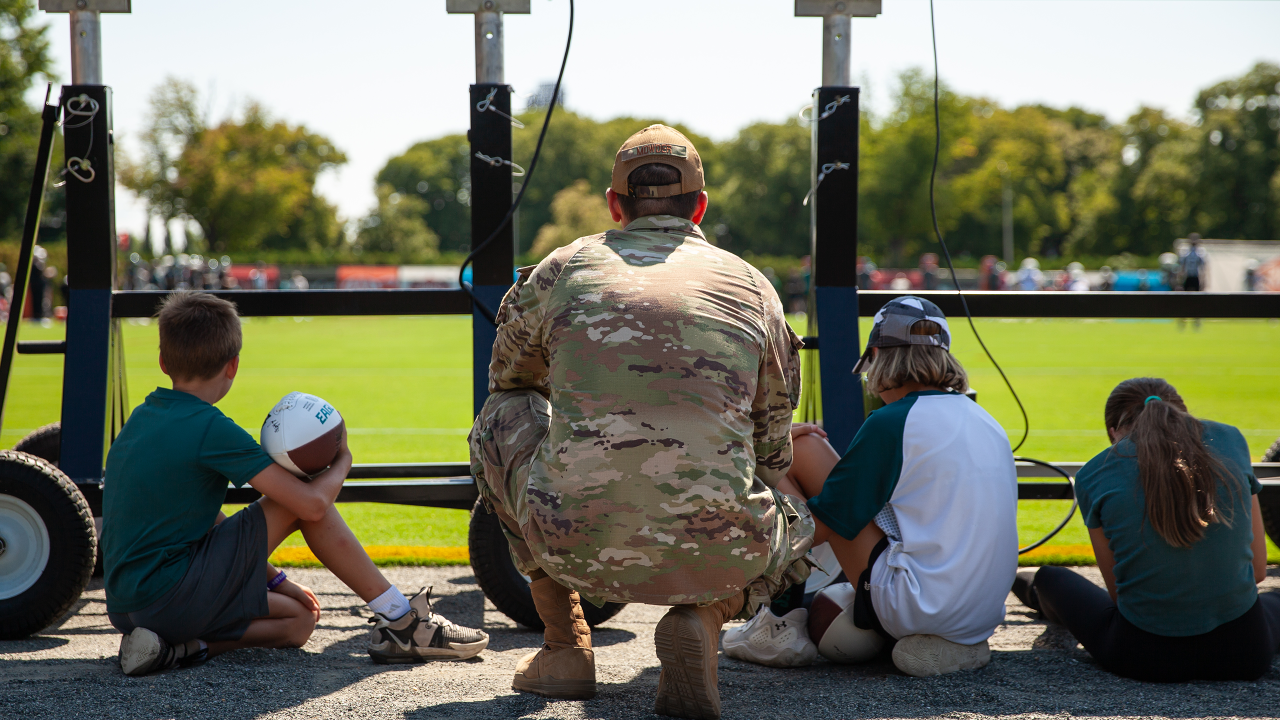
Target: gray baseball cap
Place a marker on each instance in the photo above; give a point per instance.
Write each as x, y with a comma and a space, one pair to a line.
892, 327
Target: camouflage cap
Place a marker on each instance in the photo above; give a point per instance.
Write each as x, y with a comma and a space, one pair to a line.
658, 144
892, 327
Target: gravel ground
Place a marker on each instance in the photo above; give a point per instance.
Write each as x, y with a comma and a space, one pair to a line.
1036, 671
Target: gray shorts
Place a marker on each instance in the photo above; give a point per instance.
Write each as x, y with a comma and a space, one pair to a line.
225, 587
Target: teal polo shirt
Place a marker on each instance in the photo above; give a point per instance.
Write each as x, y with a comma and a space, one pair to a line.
1167, 590
166, 479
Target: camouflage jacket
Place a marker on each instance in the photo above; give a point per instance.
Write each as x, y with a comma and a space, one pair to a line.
672, 376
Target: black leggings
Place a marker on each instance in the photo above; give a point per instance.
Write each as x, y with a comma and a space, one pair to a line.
1237, 650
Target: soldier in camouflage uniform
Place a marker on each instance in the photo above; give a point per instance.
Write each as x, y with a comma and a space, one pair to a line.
642, 388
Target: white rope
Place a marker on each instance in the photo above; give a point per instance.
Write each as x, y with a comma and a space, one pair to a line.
826, 170
516, 170
830, 109
487, 105
77, 165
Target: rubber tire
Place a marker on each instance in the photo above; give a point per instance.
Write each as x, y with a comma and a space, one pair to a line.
1269, 501
72, 543
45, 443
503, 584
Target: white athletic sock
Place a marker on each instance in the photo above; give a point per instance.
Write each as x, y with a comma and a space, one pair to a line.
391, 604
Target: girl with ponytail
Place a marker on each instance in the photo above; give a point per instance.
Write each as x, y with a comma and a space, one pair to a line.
1178, 536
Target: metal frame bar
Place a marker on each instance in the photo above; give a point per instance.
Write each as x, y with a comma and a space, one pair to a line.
491, 199
1018, 304
834, 228
30, 232
89, 376
311, 303
450, 485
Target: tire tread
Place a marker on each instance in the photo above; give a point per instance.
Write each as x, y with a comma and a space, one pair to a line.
501, 582
73, 544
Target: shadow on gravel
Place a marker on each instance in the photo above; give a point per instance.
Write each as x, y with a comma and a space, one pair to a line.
502, 639
32, 644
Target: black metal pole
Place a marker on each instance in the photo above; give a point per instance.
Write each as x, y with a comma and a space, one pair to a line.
834, 222
30, 231
87, 378
490, 137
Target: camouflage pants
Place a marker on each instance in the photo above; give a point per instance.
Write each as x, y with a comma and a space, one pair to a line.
507, 435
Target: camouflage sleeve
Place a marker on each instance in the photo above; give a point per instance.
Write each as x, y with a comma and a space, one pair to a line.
777, 390
519, 356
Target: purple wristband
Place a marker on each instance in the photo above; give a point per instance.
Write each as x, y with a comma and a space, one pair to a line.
275, 582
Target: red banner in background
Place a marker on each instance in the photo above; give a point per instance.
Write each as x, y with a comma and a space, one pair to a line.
351, 277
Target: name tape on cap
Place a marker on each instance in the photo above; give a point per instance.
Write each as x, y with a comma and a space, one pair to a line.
654, 149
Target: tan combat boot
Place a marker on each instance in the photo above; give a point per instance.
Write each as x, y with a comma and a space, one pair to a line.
565, 667
688, 644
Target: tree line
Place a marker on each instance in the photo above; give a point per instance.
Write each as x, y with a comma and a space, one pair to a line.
1081, 186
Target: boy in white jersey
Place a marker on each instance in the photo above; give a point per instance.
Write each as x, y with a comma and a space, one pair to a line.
922, 508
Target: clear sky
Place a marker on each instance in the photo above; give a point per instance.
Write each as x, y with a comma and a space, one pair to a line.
377, 76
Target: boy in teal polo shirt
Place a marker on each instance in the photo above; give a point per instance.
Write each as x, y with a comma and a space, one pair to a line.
183, 581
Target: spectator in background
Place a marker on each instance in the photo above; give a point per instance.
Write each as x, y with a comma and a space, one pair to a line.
929, 270
1108, 281
1077, 281
865, 269
301, 283
989, 273
1191, 265
39, 286
258, 276
1250, 275
796, 294
1029, 275
6, 290
1144, 282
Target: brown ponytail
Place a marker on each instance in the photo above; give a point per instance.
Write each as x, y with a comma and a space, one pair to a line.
1179, 475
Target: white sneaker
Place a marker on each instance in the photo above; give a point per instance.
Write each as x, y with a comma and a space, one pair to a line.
929, 655
767, 639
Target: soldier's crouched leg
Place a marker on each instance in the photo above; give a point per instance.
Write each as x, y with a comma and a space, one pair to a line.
504, 440
788, 558
507, 434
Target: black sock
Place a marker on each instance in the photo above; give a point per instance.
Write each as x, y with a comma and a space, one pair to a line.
790, 599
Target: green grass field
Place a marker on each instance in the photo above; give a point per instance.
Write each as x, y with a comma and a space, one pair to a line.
404, 386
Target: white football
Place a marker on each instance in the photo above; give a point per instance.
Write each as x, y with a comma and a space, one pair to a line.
831, 627
302, 433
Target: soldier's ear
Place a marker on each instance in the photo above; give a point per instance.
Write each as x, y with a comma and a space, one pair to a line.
615, 207
701, 209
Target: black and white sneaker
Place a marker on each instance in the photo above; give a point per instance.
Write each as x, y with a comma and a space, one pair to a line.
143, 652
422, 635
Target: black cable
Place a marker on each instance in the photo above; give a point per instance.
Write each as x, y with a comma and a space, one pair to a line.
933, 211
490, 315
1074, 502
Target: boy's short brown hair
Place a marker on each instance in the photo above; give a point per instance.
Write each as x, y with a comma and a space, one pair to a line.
928, 365
199, 335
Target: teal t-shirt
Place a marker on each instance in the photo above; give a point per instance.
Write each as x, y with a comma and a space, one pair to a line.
166, 479
1166, 590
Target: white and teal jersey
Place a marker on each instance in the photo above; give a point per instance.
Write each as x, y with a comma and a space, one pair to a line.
942, 466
